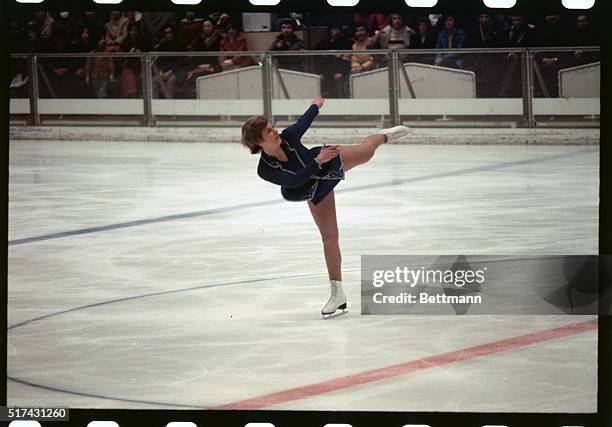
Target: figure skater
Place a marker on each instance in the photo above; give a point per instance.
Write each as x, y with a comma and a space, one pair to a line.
311, 175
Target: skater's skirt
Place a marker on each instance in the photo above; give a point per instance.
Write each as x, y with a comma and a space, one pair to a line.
316, 189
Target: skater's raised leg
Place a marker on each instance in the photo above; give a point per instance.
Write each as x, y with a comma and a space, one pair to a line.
355, 155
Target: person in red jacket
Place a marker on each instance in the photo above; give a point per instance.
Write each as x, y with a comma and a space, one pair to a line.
234, 41
311, 175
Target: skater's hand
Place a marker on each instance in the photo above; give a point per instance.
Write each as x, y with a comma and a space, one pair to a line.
327, 153
318, 102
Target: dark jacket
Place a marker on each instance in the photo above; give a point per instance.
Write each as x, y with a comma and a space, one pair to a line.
301, 177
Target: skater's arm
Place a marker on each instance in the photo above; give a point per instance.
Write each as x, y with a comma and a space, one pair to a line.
278, 177
301, 126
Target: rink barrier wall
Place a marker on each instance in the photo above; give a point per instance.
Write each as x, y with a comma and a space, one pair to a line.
418, 90
315, 136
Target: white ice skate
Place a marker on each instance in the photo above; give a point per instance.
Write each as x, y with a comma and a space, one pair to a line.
337, 301
395, 132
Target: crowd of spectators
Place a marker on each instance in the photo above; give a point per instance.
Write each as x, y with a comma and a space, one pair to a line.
175, 76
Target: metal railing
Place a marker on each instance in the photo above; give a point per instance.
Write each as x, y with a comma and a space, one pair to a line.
265, 59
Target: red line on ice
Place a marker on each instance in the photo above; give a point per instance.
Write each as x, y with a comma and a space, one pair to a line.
409, 367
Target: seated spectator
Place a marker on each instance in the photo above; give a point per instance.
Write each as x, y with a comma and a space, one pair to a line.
396, 35
116, 28
58, 73
484, 34
361, 62
334, 68
221, 19
287, 40
518, 35
95, 24
209, 41
86, 43
69, 25
425, 37
374, 21
551, 33
153, 24
32, 42
100, 71
450, 37
130, 75
584, 35
234, 41
189, 29
45, 23
168, 69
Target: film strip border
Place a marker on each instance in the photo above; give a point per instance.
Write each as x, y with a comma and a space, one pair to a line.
262, 418
417, 6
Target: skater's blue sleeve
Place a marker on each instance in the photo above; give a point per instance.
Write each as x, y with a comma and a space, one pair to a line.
298, 129
278, 176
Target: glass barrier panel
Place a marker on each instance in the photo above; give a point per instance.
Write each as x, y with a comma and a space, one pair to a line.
19, 88
470, 87
217, 87
566, 86
355, 86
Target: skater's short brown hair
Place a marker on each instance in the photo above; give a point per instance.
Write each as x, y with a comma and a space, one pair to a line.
251, 133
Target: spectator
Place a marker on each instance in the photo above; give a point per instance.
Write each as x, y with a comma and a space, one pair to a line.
396, 35
68, 24
16, 36
551, 33
425, 38
95, 25
518, 35
486, 66
58, 72
209, 41
116, 28
168, 69
45, 23
132, 70
450, 37
85, 44
100, 71
189, 29
584, 35
32, 42
154, 23
361, 62
484, 34
375, 22
287, 40
234, 41
221, 19
334, 69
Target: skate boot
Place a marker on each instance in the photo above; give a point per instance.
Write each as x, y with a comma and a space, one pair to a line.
395, 132
337, 301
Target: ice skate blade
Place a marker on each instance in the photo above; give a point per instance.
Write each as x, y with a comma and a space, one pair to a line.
334, 315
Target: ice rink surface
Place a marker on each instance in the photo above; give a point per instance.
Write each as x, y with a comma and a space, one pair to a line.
168, 275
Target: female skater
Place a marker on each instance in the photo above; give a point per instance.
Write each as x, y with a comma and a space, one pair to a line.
311, 175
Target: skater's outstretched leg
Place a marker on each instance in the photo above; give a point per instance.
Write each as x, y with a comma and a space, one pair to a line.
355, 155
324, 215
